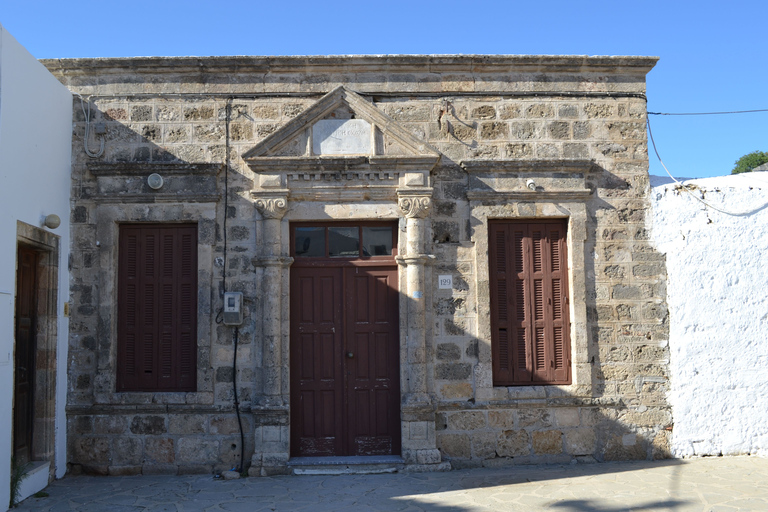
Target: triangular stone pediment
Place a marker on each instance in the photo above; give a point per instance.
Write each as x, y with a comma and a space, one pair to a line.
345, 128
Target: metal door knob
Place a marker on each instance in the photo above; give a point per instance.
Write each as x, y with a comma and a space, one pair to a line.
350, 355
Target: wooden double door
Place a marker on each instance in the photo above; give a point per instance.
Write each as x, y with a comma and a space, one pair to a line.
345, 391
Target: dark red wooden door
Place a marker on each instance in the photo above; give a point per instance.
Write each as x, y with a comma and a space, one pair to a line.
345, 390
23, 400
372, 355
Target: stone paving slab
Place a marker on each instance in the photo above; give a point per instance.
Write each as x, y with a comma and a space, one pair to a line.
722, 484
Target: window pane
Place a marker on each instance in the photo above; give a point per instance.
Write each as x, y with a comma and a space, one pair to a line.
377, 241
343, 242
310, 242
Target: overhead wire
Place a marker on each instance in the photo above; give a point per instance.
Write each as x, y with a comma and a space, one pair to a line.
684, 187
706, 113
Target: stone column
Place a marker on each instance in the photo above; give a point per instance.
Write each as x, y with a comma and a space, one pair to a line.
271, 405
418, 405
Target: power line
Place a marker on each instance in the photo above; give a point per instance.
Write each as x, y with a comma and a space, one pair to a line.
684, 187
705, 113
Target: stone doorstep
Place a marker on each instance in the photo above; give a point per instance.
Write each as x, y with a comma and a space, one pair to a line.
359, 465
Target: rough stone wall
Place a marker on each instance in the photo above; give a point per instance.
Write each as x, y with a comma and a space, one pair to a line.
160, 112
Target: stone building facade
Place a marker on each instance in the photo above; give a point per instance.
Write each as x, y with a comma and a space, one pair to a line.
267, 159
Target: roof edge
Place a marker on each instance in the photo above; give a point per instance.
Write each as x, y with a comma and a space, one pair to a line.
358, 63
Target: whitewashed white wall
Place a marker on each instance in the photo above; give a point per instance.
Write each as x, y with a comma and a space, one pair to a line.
717, 266
35, 164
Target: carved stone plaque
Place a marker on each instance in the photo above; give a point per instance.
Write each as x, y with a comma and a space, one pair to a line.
341, 137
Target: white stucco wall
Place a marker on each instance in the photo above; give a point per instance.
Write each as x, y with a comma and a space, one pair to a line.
717, 267
35, 151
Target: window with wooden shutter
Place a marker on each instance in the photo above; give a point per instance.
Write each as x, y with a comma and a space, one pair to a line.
529, 303
157, 308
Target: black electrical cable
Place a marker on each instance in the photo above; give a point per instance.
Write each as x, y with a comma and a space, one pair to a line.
227, 119
237, 403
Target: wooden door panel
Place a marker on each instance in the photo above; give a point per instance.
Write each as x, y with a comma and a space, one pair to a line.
373, 371
24, 354
317, 378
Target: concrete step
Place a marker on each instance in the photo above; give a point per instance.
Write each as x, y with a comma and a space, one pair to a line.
368, 465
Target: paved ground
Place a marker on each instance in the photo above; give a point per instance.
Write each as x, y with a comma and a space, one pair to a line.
710, 484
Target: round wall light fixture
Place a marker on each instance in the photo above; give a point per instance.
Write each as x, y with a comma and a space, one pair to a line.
52, 221
155, 181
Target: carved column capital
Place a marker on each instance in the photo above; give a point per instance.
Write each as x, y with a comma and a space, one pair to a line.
415, 207
272, 207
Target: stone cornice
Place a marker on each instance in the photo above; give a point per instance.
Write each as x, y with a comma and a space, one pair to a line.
474, 64
555, 165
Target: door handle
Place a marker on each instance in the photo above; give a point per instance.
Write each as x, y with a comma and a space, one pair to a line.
350, 355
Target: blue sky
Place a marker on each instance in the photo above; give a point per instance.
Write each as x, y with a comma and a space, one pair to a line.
714, 55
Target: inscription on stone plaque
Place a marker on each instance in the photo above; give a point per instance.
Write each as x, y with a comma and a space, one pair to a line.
341, 137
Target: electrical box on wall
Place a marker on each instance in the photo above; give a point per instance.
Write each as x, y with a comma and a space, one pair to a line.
233, 308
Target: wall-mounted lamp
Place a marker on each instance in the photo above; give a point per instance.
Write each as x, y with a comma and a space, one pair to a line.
52, 221
155, 181
531, 184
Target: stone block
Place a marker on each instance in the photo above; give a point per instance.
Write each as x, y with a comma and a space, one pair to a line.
566, 416
196, 450
455, 446
187, 424
110, 424
559, 130
484, 445
537, 418
598, 111
158, 450
501, 419
513, 443
540, 110
518, 150
453, 371
457, 390
484, 112
198, 112
224, 425
151, 425
509, 111
127, 451
428, 457
580, 441
548, 442
567, 111
91, 450
466, 420
493, 130
575, 150
448, 352
141, 113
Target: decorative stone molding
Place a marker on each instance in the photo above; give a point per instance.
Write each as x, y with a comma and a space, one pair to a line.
272, 207
415, 206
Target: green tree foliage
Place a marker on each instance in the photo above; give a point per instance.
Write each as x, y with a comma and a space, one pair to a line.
750, 161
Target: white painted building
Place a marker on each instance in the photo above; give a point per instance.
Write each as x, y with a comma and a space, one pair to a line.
35, 151
717, 267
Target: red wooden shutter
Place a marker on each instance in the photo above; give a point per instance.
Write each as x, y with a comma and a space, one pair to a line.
529, 313
157, 308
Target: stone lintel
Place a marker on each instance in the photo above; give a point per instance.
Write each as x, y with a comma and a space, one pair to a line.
156, 198
334, 164
529, 196
141, 169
